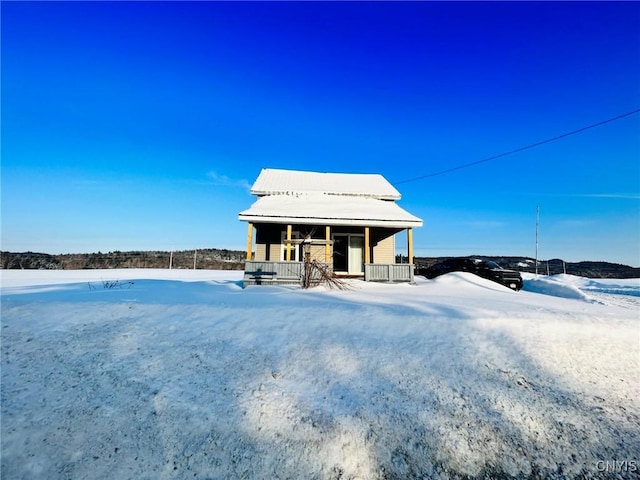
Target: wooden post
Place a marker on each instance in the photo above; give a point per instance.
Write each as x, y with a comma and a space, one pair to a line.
410, 245
249, 240
327, 245
367, 251
288, 246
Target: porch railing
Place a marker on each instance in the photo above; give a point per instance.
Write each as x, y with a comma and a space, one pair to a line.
258, 272
388, 272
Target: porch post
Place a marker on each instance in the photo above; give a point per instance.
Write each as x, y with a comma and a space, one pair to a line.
288, 246
410, 245
327, 245
249, 240
367, 253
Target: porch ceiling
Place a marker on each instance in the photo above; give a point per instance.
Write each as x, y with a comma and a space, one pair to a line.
329, 210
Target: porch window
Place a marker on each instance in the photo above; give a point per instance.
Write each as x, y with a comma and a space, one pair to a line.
296, 237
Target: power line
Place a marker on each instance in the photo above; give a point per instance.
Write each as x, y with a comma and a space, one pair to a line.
548, 140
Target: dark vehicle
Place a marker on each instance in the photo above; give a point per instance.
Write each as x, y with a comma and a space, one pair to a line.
483, 268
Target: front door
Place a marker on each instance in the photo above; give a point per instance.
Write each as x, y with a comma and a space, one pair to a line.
348, 254
356, 254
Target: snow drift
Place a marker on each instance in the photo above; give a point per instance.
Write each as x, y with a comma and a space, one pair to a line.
183, 374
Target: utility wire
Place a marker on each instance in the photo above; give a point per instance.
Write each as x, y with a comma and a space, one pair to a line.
548, 140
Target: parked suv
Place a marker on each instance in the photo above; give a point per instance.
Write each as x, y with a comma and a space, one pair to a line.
483, 268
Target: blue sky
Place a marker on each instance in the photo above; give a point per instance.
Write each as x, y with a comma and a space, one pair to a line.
141, 125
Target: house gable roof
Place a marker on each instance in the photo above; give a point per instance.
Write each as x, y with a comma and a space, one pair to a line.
282, 182
297, 197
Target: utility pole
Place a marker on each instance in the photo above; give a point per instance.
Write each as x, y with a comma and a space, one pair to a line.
171, 260
195, 254
537, 221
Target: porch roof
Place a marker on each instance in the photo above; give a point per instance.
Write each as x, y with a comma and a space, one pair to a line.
323, 209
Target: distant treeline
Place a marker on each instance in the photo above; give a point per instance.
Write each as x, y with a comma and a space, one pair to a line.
209, 258
552, 267
222, 259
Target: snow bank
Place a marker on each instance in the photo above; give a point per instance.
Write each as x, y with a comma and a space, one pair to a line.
601, 290
183, 374
615, 286
552, 285
30, 278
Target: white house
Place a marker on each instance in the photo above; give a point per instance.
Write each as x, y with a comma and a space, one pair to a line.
350, 221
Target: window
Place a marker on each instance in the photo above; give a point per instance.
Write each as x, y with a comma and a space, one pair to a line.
295, 246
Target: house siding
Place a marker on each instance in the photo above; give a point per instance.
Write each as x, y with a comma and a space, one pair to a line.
261, 250
317, 253
274, 252
269, 252
385, 250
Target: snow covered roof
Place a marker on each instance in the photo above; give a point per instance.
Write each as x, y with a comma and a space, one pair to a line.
313, 208
277, 182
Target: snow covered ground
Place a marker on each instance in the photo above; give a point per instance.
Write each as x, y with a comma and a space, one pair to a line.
184, 374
